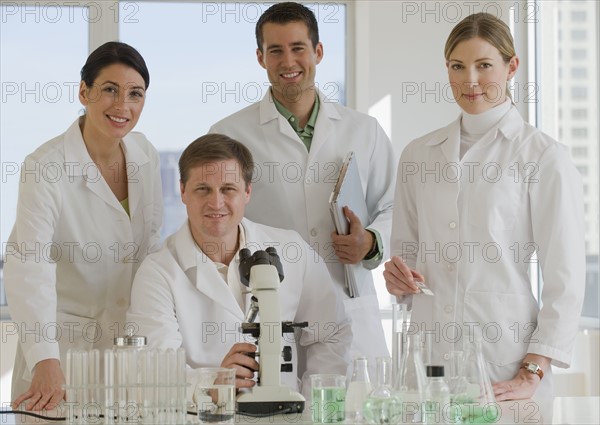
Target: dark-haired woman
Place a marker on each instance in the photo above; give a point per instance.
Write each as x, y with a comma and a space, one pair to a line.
89, 210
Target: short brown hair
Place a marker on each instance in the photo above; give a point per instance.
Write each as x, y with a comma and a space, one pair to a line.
285, 13
212, 148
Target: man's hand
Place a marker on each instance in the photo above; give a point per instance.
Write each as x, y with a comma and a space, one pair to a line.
400, 279
46, 389
244, 365
352, 248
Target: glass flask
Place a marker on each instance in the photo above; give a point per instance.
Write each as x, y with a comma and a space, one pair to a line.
382, 406
358, 391
411, 380
472, 394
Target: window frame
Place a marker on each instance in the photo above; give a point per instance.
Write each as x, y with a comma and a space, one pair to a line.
106, 28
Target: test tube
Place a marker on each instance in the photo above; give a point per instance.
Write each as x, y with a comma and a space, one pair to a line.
109, 387
399, 322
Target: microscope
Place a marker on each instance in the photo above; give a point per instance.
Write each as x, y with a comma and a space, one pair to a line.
262, 273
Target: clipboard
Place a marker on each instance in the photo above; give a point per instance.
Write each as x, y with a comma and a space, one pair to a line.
348, 192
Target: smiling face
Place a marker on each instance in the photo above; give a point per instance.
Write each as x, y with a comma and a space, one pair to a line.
290, 59
215, 195
478, 75
113, 103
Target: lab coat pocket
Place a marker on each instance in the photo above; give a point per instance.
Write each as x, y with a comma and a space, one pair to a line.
76, 332
494, 205
504, 321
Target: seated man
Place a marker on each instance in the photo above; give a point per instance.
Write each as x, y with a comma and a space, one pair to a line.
189, 293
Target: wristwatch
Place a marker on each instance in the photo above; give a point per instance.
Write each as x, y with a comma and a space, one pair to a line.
533, 368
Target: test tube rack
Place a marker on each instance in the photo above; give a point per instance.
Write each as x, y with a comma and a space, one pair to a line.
140, 386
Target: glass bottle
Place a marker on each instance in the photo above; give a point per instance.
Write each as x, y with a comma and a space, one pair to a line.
382, 405
437, 397
411, 379
358, 391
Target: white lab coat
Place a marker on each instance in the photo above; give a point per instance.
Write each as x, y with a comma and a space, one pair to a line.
291, 189
472, 236
73, 252
179, 299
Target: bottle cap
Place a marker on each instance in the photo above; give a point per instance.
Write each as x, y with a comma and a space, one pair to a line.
130, 341
435, 371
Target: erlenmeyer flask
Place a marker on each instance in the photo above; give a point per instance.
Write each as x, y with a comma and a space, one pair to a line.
473, 396
382, 406
358, 391
411, 380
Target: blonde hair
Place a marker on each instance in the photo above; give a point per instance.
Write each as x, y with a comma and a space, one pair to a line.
487, 27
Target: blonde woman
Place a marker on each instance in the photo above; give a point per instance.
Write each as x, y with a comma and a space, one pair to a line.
500, 191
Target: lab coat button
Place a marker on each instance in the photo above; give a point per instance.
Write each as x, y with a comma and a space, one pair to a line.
452, 225
314, 233
450, 267
448, 309
446, 356
308, 180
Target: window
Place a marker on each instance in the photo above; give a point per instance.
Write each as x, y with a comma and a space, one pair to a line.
578, 16
579, 132
578, 73
584, 140
578, 54
578, 35
186, 87
583, 170
579, 114
39, 101
579, 93
206, 93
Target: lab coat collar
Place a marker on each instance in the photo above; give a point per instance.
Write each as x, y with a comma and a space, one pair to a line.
79, 160
323, 126
208, 280
79, 163
510, 126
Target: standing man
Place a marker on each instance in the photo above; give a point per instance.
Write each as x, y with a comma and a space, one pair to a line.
299, 139
189, 293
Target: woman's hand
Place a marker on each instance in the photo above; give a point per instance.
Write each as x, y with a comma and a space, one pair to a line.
400, 279
46, 389
520, 387
244, 365
524, 384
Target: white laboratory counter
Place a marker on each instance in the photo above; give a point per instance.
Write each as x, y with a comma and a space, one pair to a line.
560, 410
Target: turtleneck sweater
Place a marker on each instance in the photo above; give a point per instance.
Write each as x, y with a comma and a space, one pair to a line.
474, 127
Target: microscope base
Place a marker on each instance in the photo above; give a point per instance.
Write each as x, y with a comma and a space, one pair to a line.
267, 401
270, 408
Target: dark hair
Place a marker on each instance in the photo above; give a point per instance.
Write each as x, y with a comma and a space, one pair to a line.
212, 148
109, 54
284, 13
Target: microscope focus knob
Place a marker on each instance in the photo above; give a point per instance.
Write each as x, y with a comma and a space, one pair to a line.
287, 367
287, 353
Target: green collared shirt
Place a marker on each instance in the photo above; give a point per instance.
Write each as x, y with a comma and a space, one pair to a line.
306, 133
374, 258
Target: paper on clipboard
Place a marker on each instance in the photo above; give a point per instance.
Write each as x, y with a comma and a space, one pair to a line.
348, 192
